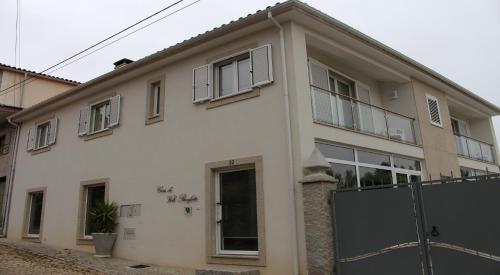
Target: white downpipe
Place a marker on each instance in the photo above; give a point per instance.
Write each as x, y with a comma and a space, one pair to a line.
11, 179
293, 226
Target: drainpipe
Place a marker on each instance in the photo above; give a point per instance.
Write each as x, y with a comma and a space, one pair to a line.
11, 178
293, 207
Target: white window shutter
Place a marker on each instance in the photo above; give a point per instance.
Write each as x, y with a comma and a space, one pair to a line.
83, 125
31, 138
52, 131
6, 146
114, 110
262, 67
202, 88
434, 112
318, 75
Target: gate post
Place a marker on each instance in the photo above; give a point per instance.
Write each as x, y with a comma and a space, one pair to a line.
316, 188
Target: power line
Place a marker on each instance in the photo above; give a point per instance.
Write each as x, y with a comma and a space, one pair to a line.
31, 79
98, 43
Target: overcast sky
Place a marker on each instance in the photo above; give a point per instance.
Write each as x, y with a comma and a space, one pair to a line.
458, 38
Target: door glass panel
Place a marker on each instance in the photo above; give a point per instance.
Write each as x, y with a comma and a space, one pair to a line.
35, 217
344, 88
374, 177
95, 195
336, 152
239, 211
374, 158
345, 174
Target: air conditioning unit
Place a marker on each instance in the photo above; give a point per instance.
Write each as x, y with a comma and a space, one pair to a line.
397, 133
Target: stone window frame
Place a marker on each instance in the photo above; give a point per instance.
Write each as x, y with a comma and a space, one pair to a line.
104, 132
80, 238
27, 211
211, 170
150, 118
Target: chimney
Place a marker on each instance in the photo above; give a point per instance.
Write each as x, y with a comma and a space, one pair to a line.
122, 63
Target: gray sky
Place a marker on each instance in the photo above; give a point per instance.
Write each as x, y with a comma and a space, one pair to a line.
458, 38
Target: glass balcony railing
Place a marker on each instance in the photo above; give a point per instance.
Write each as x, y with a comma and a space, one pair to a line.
346, 112
474, 149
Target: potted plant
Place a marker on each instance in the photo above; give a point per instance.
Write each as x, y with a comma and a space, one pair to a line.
103, 219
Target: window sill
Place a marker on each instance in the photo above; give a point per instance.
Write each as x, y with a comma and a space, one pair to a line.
40, 150
83, 241
154, 119
248, 260
98, 134
214, 103
32, 239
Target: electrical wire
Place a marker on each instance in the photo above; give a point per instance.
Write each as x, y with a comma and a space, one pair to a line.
112, 42
92, 46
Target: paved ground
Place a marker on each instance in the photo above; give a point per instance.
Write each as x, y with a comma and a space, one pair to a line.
20, 258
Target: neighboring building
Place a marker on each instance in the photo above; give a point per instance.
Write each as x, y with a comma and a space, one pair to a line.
19, 88
202, 144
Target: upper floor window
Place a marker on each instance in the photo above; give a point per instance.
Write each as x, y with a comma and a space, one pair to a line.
99, 116
155, 99
42, 135
233, 75
459, 127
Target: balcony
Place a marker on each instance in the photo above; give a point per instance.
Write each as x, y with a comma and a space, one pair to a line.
342, 111
474, 149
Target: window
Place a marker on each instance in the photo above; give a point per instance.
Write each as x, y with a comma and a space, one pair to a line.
471, 172
237, 212
92, 193
33, 221
155, 100
360, 168
235, 203
434, 112
93, 196
233, 75
42, 134
99, 116
4, 144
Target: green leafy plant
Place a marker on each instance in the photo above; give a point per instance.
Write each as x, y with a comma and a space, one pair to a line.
103, 217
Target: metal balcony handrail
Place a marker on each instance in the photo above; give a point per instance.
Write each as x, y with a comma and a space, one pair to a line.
357, 100
476, 140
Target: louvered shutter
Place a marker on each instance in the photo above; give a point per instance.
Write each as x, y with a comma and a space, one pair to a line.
434, 112
261, 64
31, 138
52, 131
83, 125
201, 83
114, 110
6, 145
318, 75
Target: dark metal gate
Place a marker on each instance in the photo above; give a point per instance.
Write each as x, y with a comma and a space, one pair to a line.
430, 228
